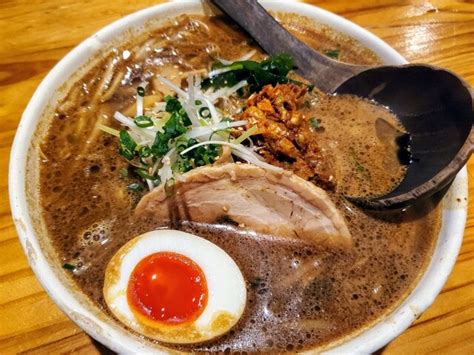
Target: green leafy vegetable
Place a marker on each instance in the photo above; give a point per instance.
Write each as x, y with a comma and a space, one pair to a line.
273, 70
280, 64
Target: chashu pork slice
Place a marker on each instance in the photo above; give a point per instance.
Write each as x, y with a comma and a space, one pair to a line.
272, 203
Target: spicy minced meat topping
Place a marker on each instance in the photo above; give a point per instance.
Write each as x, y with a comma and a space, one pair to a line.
285, 136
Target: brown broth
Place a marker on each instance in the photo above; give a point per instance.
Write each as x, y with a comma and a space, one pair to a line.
88, 210
359, 137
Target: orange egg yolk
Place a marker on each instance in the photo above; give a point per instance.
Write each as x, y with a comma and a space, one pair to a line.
168, 288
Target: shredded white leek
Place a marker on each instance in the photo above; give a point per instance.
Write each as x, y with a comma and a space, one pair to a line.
226, 92
206, 122
216, 118
165, 172
174, 87
150, 184
108, 130
246, 135
141, 135
191, 87
207, 130
139, 105
255, 161
140, 98
126, 121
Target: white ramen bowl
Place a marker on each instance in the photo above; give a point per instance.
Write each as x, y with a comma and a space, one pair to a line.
82, 311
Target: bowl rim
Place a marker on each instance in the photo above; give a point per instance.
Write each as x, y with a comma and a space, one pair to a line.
371, 339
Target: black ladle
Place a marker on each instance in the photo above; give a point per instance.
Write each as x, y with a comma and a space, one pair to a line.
433, 104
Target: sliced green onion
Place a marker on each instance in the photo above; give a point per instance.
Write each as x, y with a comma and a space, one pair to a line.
144, 174
144, 151
182, 142
143, 121
141, 91
68, 266
135, 186
156, 181
314, 122
204, 112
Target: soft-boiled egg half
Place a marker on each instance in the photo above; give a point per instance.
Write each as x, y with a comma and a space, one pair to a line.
175, 287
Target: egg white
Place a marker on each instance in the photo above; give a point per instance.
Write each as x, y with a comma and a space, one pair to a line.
226, 286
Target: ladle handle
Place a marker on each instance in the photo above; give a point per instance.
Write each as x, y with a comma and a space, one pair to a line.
471, 142
325, 73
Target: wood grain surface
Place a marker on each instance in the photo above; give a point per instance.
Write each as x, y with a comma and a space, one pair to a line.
36, 34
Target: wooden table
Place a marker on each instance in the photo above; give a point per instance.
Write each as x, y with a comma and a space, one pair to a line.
36, 34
